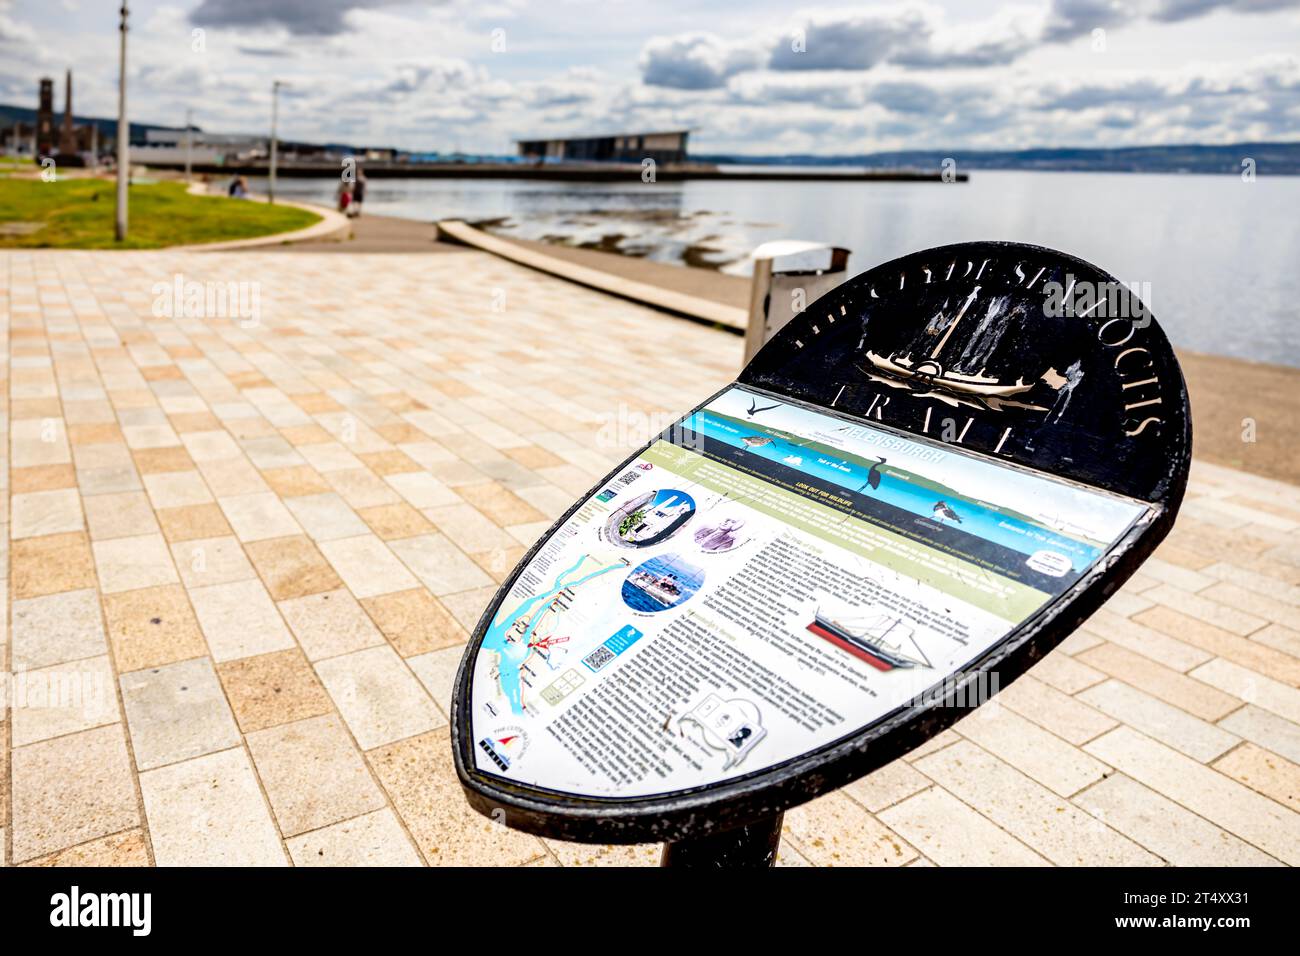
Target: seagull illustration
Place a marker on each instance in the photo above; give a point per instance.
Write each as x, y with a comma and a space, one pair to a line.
754, 409
943, 513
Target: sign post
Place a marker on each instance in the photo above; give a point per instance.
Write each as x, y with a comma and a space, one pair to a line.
920, 486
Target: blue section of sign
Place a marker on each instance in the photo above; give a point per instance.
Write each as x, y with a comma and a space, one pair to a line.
622, 639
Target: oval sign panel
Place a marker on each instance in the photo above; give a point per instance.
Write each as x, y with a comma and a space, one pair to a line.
920, 486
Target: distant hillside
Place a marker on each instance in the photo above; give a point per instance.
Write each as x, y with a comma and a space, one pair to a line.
1271, 159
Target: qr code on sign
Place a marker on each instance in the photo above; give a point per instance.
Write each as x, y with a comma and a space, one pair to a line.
599, 658
628, 477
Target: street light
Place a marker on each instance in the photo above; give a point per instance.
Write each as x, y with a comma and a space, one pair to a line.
189, 114
275, 102
123, 137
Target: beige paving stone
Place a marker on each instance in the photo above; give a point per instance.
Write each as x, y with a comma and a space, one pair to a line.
1060, 766
239, 620
1269, 606
56, 628
292, 567
395, 521
378, 696
193, 521
42, 513
272, 689
1066, 673
42, 478
313, 774
1279, 638
207, 561
1244, 684
441, 566
1205, 609
1166, 829
151, 627
177, 489
258, 516
105, 481
834, 831
329, 624
215, 445
469, 529
62, 699
1266, 729
330, 456
292, 482
952, 834
1164, 722
500, 562
361, 488
421, 490
1067, 717
414, 621
69, 790
1264, 772
468, 606
326, 517
1044, 821
1180, 690
118, 849
367, 566
152, 461
887, 786
140, 561
176, 712
209, 811
392, 462
1134, 636
1256, 819
373, 839
595, 854
1246, 651
120, 516
232, 478
437, 672
421, 781
503, 506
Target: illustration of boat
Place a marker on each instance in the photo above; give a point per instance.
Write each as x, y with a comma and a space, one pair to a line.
662, 588
951, 379
864, 636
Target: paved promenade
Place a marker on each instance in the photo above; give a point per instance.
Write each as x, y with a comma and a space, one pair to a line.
244, 550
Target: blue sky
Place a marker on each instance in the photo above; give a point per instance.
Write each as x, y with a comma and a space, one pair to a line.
753, 77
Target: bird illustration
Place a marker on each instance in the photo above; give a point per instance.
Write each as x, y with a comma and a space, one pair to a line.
754, 409
873, 476
943, 513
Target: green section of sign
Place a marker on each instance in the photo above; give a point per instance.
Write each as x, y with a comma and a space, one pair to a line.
965, 580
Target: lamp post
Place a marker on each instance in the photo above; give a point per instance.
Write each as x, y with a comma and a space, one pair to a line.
189, 114
123, 137
275, 102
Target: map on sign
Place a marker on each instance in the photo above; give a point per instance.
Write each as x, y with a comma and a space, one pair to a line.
769, 581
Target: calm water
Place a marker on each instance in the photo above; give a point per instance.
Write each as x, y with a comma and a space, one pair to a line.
1220, 257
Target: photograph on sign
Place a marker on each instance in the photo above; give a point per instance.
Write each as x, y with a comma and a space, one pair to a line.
797, 576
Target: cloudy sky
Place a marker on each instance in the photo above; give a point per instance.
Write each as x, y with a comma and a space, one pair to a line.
755, 77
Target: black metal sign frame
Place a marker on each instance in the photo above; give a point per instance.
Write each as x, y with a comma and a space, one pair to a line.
757, 798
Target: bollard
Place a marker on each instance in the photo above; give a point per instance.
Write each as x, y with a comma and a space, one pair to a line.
788, 275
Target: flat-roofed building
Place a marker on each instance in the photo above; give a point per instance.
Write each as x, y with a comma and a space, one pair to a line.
666, 147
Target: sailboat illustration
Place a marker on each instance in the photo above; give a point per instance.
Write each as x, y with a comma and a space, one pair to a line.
877, 638
931, 377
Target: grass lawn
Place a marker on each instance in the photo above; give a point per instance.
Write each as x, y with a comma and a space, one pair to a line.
78, 214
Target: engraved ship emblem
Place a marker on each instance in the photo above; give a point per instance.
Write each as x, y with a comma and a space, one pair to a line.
930, 377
